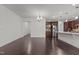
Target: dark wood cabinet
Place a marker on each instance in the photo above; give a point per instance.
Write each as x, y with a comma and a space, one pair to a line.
48, 29
51, 27
70, 25
65, 26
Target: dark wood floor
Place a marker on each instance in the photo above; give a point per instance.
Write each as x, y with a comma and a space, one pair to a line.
36, 46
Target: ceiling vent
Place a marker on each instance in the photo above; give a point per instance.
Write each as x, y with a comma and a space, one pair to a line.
76, 6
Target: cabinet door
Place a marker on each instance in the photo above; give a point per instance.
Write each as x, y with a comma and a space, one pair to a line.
48, 30
65, 26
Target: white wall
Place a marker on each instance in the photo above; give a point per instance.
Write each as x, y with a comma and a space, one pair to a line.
60, 26
11, 26
27, 24
27, 27
38, 28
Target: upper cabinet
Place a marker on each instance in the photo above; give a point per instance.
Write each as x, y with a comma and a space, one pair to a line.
71, 26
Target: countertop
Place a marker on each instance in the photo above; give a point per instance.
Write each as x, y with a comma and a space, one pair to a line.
68, 33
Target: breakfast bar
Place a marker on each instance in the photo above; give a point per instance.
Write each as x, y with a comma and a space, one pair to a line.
71, 38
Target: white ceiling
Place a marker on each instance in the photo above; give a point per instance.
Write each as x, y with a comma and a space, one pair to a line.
49, 11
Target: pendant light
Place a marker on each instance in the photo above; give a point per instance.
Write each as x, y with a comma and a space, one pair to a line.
39, 17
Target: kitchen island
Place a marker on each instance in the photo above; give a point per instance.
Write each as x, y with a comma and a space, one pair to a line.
71, 38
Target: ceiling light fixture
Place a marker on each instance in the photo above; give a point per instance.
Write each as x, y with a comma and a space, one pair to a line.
39, 18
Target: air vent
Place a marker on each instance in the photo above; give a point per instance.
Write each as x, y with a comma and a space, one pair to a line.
77, 7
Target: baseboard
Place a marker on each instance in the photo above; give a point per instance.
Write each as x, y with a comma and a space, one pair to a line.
14, 48
67, 47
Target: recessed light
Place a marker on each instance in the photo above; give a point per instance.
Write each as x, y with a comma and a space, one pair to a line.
66, 20
76, 17
73, 4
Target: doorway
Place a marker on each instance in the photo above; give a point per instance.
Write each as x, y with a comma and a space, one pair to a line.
51, 30
51, 37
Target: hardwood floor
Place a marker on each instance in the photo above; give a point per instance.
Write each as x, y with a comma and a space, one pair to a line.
37, 46
71, 50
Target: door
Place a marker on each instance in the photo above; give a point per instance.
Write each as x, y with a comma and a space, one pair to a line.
48, 29
51, 30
